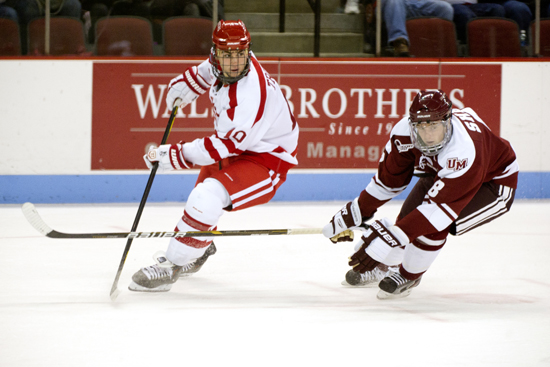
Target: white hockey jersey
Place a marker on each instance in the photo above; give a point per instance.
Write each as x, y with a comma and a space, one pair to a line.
252, 117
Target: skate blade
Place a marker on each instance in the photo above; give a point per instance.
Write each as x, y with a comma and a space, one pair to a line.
385, 295
367, 285
138, 288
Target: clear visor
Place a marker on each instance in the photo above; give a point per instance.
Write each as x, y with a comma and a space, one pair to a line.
430, 136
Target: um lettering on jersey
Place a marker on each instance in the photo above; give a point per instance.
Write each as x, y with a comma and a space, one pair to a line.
455, 164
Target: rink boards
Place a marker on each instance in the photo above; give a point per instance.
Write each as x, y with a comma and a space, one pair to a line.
74, 131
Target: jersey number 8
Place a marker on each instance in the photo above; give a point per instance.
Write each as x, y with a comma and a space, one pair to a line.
438, 185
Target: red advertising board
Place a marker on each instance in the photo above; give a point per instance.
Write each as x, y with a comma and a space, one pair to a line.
345, 109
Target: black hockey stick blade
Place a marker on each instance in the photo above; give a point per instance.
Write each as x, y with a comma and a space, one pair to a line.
38, 223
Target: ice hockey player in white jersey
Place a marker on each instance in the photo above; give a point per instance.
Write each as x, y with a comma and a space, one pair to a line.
468, 177
242, 164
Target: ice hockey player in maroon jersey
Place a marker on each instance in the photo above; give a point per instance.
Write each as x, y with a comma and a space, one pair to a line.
243, 163
468, 177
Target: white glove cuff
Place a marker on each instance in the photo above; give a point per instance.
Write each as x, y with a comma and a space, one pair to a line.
193, 81
399, 235
387, 247
339, 223
356, 212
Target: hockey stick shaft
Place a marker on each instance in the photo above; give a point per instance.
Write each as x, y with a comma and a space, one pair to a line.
38, 223
114, 292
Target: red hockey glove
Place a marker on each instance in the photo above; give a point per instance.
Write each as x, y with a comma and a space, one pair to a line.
169, 157
382, 243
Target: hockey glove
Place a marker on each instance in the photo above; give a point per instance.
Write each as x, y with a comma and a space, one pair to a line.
340, 228
382, 243
188, 87
169, 157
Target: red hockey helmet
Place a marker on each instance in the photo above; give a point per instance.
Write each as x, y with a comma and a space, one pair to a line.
430, 108
230, 36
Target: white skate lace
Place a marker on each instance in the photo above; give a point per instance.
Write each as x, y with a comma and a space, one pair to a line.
156, 272
188, 266
374, 275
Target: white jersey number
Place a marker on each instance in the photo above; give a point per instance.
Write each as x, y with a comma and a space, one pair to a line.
468, 121
438, 185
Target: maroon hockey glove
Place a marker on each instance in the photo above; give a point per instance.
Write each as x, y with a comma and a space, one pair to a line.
361, 261
380, 244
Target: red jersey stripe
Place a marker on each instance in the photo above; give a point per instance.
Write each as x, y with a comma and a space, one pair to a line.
211, 150
232, 101
263, 91
294, 123
229, 145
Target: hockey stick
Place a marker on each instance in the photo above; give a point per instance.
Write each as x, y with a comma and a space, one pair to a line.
114, 290
38, 223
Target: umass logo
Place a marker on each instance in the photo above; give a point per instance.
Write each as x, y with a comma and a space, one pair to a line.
455, 164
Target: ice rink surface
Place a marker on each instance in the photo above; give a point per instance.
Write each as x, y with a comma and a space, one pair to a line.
269, 301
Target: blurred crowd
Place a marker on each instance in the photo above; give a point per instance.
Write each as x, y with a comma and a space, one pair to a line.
394, 15
396, 12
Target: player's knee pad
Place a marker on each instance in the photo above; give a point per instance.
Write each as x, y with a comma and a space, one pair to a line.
206, 202
203, 209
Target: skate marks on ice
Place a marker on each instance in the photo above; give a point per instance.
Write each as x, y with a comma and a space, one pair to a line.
269, 301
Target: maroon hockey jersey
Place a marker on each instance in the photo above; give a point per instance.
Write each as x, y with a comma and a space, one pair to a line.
473, 156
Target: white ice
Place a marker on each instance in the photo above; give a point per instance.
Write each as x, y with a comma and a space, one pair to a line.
269, 301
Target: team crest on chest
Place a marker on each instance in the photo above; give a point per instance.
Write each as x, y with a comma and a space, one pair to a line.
426, 162
455, 164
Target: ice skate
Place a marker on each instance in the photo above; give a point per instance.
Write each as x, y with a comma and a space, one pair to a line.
195, 266
155, 278
395, 286
368, 279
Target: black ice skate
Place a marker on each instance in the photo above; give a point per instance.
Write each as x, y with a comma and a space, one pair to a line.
395, 286
195, 266
368, 279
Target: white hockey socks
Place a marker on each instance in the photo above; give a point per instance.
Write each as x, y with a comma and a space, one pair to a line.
420, 254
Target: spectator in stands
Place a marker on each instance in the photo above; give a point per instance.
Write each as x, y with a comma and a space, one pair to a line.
8, 12
206, 8
94, 9
191, 8
466, 10
28, 10
518, 11
138, 8
396, 13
